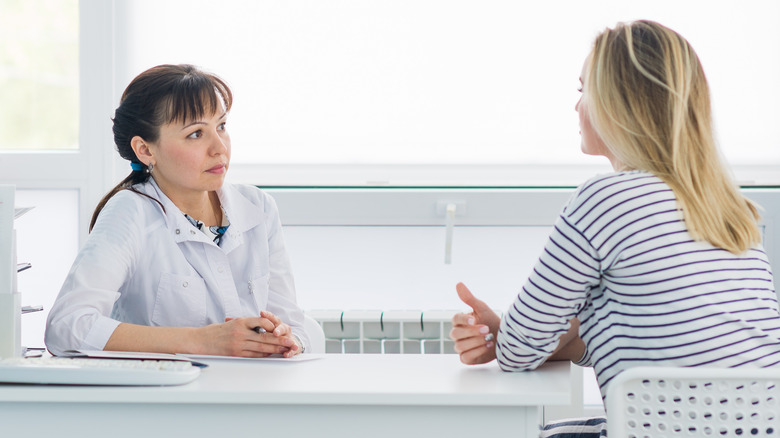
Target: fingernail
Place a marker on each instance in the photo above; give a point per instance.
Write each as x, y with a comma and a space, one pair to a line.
484, 330
472, 321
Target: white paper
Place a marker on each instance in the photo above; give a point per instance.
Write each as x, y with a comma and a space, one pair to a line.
298, 358
102, 354
20, 211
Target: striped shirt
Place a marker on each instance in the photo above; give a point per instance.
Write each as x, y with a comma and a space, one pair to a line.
621, 260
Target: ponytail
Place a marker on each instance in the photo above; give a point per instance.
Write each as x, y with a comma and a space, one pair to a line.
135, 177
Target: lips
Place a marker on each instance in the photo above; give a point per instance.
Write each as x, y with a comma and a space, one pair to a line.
219, 168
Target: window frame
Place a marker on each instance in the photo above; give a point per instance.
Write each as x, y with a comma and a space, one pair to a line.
95, 167
90, 168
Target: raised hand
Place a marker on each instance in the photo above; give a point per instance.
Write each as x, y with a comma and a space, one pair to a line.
474, 333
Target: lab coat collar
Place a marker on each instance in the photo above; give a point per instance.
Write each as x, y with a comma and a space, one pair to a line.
243, 216
180, 228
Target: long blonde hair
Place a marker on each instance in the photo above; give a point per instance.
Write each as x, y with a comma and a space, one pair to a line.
648, 99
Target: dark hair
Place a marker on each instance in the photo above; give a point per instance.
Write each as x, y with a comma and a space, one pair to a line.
161, 95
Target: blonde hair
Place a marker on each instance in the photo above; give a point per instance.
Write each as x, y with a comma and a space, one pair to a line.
649, 101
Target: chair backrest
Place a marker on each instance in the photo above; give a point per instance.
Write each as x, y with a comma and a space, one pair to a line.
686, 402
315, 333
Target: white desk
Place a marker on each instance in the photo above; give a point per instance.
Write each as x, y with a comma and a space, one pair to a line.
333, 396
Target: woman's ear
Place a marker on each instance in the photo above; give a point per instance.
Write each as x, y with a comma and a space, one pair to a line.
142, 150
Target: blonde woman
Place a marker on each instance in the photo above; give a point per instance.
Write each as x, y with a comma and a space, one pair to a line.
659, 263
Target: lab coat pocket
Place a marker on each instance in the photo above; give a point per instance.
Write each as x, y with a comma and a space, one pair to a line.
180, 301
258, 287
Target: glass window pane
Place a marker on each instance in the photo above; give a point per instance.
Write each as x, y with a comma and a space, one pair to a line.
442, 81
39, 55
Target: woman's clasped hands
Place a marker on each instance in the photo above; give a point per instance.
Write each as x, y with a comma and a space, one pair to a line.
243, 337
475, 332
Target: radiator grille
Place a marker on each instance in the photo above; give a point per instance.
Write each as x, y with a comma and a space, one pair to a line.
386, 332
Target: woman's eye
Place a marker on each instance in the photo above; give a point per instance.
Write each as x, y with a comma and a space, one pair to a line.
221, 126
196, 134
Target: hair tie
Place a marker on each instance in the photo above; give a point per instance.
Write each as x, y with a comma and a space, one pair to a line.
136, 166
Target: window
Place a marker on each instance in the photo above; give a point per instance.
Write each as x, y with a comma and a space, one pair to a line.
46, 151
39, 74
440, 92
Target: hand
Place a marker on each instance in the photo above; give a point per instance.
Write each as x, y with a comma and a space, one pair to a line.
471, 331
283, 332
237, 337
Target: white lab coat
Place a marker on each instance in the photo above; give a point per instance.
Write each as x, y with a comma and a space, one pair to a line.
144, 266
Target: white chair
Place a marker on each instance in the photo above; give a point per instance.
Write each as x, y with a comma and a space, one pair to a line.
687, 402
316, 335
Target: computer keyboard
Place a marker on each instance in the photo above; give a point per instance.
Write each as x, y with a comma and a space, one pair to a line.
95, 371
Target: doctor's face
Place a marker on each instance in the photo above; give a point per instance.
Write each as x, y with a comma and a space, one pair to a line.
192, 157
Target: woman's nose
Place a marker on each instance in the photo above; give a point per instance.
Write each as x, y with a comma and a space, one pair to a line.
219, 145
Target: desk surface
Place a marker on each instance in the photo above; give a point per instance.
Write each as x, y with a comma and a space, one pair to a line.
334, 379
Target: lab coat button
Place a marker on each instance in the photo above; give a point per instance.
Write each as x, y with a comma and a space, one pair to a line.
178, 231
185, 284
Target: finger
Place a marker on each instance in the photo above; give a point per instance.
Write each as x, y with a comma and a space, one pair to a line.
268, 344
268, 338
256, 322
260, 350
476, 355
266, 352
282, 330
467, 297
294, 350
467, 344
270, 316
477, 331
463, 319
284, 342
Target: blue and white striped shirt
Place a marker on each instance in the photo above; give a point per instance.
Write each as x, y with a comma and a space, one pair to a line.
620, 259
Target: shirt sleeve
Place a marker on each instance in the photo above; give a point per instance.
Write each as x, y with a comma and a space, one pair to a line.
80, 316
554, 293
282, 300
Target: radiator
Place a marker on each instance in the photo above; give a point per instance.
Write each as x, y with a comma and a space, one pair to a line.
386, 332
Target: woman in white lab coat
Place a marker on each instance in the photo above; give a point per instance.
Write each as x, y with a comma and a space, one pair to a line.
177, 260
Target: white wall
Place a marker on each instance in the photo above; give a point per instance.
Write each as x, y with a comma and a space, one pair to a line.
46, 238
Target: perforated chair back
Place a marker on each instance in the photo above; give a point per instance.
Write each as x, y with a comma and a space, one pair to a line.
694, 402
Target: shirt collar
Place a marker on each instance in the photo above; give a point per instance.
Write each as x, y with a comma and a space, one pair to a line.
243, 214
